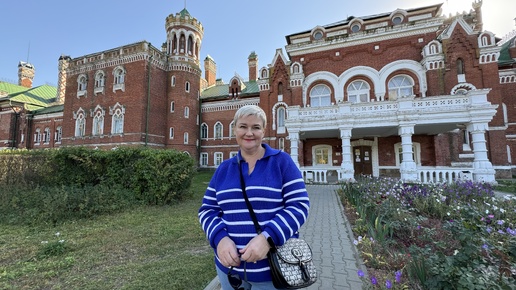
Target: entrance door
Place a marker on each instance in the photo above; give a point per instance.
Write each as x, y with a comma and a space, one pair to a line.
362, 160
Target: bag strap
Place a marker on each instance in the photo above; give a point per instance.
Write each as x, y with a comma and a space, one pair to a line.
247, 202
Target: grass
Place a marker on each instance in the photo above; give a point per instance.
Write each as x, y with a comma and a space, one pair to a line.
145, 248
506, 185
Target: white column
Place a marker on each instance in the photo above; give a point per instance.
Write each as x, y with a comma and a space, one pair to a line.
346, 167
408, 168
294, 146
482, 168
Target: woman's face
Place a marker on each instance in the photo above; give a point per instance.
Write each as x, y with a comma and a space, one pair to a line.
249, 132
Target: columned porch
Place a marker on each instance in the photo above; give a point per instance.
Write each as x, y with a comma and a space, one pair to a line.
360, 129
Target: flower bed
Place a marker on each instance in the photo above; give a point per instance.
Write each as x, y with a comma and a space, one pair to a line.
441, 236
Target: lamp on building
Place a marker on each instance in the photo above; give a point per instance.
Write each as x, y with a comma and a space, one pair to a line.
16, 111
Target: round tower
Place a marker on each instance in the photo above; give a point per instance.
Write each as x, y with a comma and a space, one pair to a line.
183, 46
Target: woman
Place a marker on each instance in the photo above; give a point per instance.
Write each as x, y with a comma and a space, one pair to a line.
277, 192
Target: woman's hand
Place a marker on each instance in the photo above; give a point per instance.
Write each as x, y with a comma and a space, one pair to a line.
256, 249
227, 253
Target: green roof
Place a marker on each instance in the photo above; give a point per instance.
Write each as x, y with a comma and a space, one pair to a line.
9, 88
50, 110
505, 57
33, 98
222, 91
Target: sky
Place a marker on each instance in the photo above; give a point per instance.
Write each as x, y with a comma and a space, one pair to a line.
39, 32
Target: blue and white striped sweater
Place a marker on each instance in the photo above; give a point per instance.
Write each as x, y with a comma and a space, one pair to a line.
277, 193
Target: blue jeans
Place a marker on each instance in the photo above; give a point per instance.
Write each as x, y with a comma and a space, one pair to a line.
224, 283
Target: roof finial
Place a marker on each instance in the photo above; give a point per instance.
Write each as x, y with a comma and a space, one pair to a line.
185, 4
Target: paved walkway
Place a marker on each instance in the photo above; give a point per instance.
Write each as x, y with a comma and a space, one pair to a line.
329, 234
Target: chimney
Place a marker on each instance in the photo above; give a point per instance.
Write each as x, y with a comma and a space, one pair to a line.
64, 62
210, 71
252, 62
25, 74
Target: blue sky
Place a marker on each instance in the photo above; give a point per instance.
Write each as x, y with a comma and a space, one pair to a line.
40, 31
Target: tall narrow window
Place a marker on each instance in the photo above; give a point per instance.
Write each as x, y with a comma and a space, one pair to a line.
172, 106
218, 158
173, 81
59, 134
218, 131
185, 138
460, 66
204, 131
37, 136
187, 112
80, 126
98, 124
232, 129
204, 159
46, 135
187, 87
171, 133
117, 122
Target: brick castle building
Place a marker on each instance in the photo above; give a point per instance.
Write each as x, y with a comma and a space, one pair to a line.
406, 93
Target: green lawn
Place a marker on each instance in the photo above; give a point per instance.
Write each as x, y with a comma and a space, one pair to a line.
145, 248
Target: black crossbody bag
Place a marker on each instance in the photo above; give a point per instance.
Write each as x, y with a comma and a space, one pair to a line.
291, 265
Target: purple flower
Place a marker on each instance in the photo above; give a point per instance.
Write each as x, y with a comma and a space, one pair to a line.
360, 273
397, 275
511, 232
500, 222
485, 246
388, 284
373, 280
488, 229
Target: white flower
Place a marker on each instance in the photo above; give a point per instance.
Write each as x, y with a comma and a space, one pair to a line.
487, 211
58, 234
61, 241
448, 213
502, 210
44, 242
456, 252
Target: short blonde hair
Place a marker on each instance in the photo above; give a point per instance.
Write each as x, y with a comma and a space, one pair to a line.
251, 110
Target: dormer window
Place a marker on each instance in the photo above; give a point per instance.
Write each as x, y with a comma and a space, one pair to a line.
356, 27
398, 19
318, 35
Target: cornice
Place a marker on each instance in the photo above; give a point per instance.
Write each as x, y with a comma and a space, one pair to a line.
362, 38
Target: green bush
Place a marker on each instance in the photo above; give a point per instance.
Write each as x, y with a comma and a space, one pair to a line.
49, 186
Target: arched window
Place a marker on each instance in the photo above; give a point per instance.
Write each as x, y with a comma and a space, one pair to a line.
172, 107
281, 117
358, 92
320, 95
173, 81
117, 123
82, 84
232, 129
99, 79
37, 136
460, 66
280, 89
119, 76
58, 134
187, 87
98, 124
187, 112
218, 131
80, 126
171, 133
204, 131
185, 138
46, 135
400, 86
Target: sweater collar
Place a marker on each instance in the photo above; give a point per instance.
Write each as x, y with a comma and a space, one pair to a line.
269, 151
